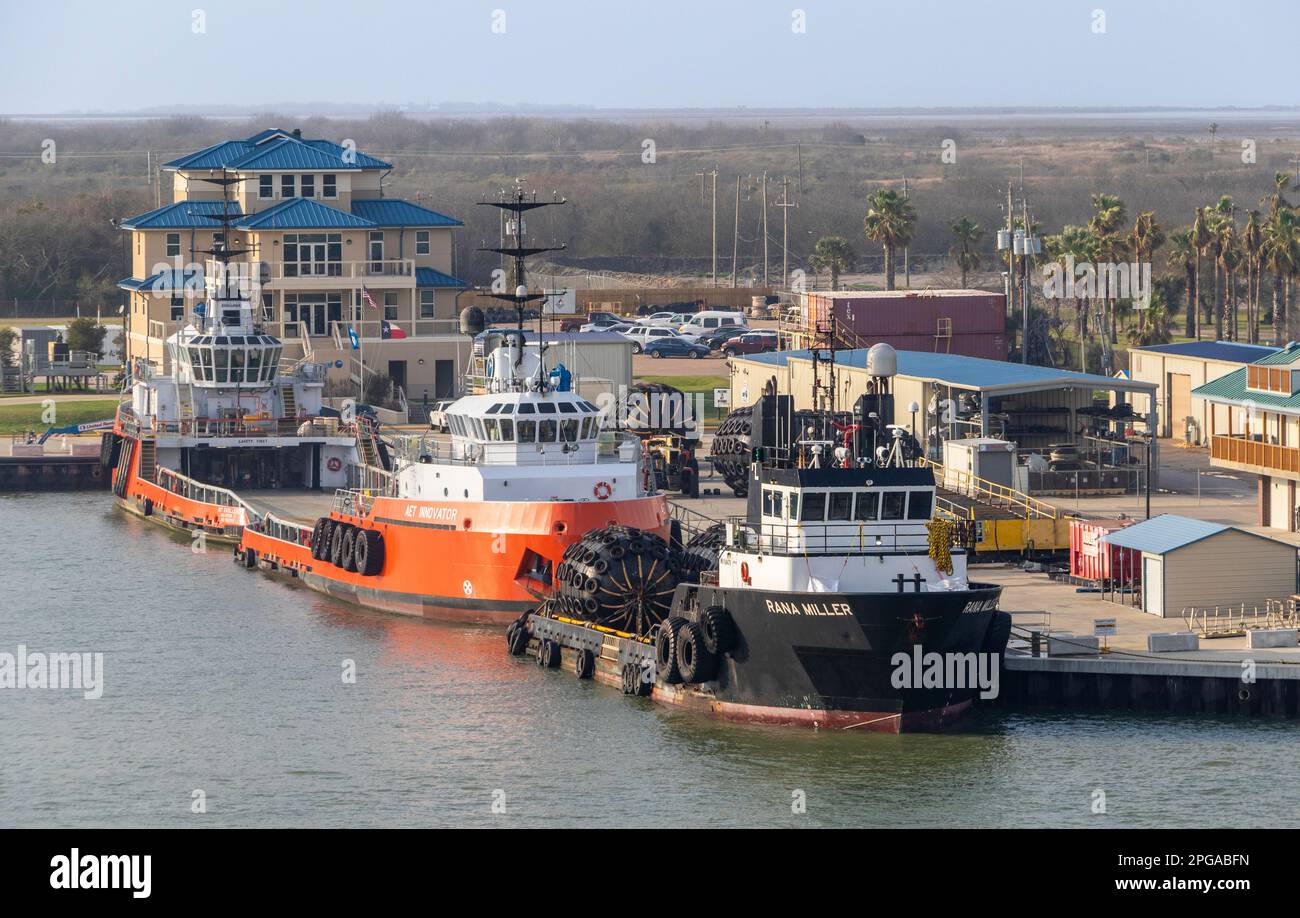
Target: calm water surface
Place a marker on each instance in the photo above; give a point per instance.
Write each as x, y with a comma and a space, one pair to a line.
230, 681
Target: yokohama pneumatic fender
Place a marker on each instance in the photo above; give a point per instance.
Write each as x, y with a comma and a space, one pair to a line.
701, 552
666, 650
731, 449
618, 577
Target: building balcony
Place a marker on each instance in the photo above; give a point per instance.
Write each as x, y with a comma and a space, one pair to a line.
388, 272
1252, 454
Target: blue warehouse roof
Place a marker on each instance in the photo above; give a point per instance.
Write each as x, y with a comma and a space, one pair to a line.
302, 213
991, 376
181, 215
1169, 532
395, 212
1233, 351
275, 149
432, 277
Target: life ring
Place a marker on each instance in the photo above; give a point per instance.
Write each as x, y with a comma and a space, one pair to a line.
744, 573
602, 490
334, 463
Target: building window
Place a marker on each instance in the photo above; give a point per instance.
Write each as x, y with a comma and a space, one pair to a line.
308, 186
390, 305
173, 245
313, 254
329, 185
286, 186
178, 307
427, 310
266, 187
268, 307
422, 242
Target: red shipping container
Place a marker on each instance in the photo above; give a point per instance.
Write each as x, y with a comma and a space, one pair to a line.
988, 346
1093, 559
883, 313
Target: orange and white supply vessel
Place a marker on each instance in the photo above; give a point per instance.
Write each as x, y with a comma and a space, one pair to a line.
473, 528
191, 449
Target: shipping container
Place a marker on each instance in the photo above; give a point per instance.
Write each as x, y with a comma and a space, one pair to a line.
1093, 559
929, 313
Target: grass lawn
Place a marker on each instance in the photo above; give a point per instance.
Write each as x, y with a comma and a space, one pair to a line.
24, 322
704, 384
15, 419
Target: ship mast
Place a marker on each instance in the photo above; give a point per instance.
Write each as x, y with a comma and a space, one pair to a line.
516, 202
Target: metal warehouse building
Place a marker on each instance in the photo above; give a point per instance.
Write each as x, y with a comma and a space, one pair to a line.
1177, 369
959, 397
1193, 565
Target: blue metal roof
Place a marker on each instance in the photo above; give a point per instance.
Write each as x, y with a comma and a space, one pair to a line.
1164, 533
968, 372
277, 149
432, 277
1234, 351
302, 213
181, 215
171, 279
395, 212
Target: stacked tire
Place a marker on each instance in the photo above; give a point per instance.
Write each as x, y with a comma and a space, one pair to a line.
701, 552
347, 547
618, 577
689, 652
731, 449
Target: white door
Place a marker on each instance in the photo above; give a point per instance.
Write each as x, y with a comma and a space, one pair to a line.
1153, 585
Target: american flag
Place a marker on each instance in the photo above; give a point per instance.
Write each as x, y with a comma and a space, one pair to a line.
370, 300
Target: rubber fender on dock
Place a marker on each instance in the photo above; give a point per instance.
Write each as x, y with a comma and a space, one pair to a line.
517, 639
148, 507
548, 654
666, 650
368, 552
694, 661
584, 664
719, 630
250, 558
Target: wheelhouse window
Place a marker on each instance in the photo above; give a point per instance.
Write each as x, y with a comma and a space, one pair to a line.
814, 507
546, 430
527, 431
329, 186
286, 186
919, 505
422, 246
841, 506
893, 505
507, 429
866, 506
569, 430
265, 187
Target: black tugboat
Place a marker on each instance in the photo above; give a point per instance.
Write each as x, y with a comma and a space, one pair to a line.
837, 600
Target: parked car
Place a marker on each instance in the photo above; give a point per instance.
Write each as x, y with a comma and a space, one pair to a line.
438, 414
710, 320
676, 346
759, 342
665, 319
720, 336
598, 318
641, 335
618, 327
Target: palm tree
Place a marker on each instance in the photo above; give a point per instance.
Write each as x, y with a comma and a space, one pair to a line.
1145, 237
1107, 218
1230, 257
1155, 329
1075, 245
1252, 242
1282, 258
833, 254
890, 221
1201, 237
1183, 254
1277, 200
968, 234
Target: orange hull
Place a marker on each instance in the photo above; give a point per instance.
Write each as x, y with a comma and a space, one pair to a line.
150, 500
465, 561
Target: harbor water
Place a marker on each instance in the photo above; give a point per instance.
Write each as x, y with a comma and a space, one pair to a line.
225, 690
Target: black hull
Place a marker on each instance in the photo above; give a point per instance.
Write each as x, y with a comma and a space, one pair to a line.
832, 660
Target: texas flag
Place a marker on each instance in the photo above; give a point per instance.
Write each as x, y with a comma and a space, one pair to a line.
389, 330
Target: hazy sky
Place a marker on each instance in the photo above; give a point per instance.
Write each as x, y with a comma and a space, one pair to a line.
67, 55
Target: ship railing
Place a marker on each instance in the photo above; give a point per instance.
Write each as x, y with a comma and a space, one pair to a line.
849, 538
284, 530
427, 449
353, 502
190, 489
371, 478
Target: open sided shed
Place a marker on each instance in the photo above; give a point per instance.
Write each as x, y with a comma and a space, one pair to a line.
1190, 564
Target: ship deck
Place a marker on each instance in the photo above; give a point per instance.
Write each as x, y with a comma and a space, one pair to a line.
291, 504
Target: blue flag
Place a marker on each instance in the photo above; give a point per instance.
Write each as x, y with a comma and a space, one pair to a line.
352, 336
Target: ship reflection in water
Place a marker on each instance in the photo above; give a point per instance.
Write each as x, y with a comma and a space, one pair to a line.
232, 684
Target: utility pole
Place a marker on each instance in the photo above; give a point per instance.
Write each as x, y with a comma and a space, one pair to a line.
907, 264
785, 206
1024, 289
735, 234
765, 283
713, 175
